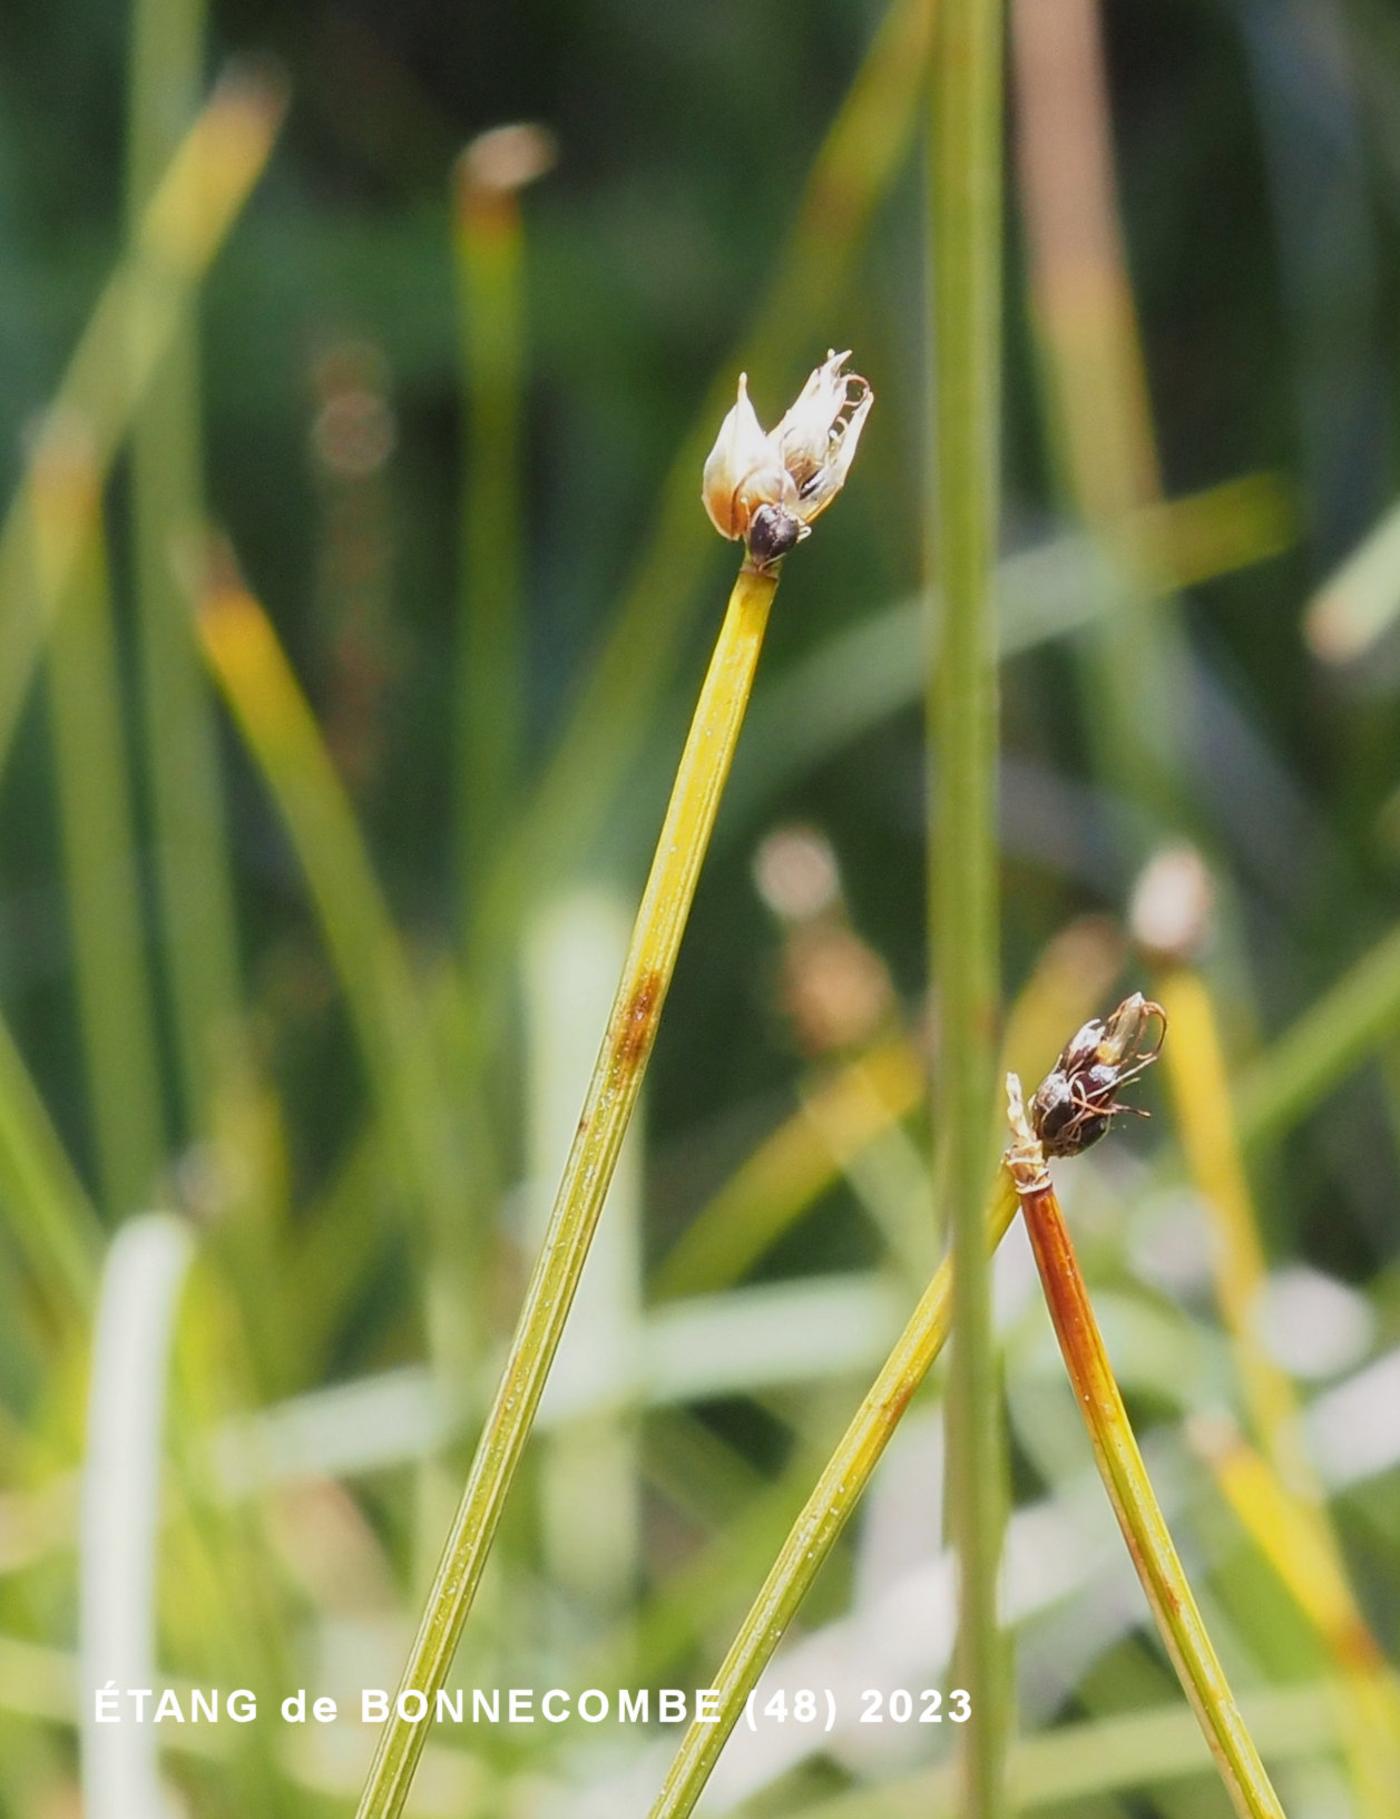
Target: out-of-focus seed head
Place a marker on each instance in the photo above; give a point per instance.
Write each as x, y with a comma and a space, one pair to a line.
796, 873
1172, 903
505, 159
768, 487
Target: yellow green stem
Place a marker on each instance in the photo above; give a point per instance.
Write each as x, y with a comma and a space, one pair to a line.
607, 1109
823, 1516
965, 251
110, 972
488, 243
189, 846
1278, 1494
1296, 1539
1201, 1098
1139, 1515
191, 212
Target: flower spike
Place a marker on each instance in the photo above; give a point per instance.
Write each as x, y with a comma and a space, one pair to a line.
768, 488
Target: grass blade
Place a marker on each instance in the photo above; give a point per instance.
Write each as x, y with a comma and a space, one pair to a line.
488, 240
190, 846
112, 977
190, 214
384, 1001
1294, 1536
1096, 374
47, 1211
1357, 606
824, 1515
141, 1286
1339, 1030
1080, 1762
591, 1517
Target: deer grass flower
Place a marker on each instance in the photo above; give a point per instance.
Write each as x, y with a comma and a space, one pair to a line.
768, 487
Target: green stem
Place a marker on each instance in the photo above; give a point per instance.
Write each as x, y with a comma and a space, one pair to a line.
1338, 1030
111, 975
191, 212
386, 1004
966, 228
488, 246
824, 1515
191, 855
607, 1110
49, 1218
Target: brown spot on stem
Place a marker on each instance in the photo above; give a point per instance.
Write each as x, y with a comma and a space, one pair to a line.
893, 1406
633, 1041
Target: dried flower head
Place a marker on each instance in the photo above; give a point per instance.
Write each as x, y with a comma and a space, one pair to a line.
1076, 1101
768, 487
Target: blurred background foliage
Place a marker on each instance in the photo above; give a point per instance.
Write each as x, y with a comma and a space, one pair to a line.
357, 1110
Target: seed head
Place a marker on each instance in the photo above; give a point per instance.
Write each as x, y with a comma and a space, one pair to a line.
768, 487
1077, 1101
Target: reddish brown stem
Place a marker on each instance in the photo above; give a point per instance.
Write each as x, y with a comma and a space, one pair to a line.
1135, 1504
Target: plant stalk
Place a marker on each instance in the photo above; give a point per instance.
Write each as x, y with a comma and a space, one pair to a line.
966, 239
612, 1094
1139, 1515
488, 245
190, 845
823, 1516
111, 973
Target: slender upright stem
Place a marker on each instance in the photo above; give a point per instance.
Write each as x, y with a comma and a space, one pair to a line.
385, 1001
1139, 1515
1095, 376
191, 212
1277, 1494
612, 1094
962, 715
1199, 1077
111, 973
823, 1516
52, 1223
1295, 1537
192, 871
488, 243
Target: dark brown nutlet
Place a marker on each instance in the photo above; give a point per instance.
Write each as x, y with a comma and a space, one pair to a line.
772, 532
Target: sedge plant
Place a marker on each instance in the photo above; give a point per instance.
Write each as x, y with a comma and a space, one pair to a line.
764, 490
